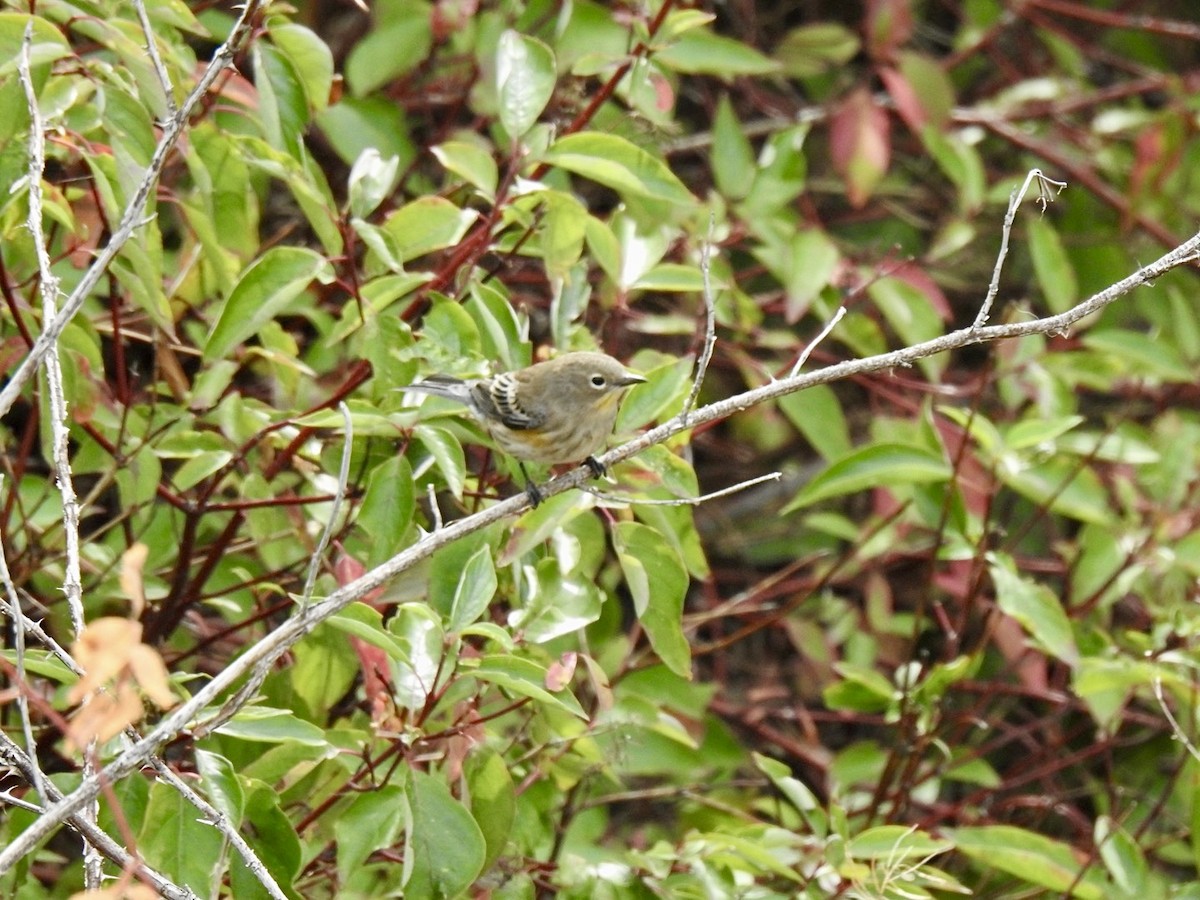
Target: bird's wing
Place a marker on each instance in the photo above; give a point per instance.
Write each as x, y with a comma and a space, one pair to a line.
501, 394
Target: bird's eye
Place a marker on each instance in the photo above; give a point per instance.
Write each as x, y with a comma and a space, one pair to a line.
598, 381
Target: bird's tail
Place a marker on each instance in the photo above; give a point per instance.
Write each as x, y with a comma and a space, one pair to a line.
442, 386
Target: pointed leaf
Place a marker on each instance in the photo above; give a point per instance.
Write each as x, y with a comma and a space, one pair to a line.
265, 289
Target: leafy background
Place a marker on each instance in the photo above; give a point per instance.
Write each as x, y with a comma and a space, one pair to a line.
948, 653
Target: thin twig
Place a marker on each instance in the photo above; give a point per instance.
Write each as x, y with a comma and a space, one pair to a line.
812, 345
164, 79
339, 496
1014, 203
1175, 727
682, 501
13, 602
434, 509
710, 322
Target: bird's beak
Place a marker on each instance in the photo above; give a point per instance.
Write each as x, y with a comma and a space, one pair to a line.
630, 378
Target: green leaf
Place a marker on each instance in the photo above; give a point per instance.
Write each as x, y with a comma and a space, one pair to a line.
561, 603
880, 465
961, 163
266, 289
1063, 485
779, 177
387, 508
1142, 353
817, 414
476, 587
492, 799
861, 689
807, 803
1035, 607
46, 47
700, 52
1122, 856
1053, 268
447, 455
418, 632
392, 50
814, 49
658, 583
930, 83
445, 846
911, 314
272, 726
501, 333
270, 833
733, 161
1030, 857
1105, 685
669, 277
1039, 430
562, 232
366, 624
895, 843
805, 263
616, 163
473, 164
537, 525
324, 669
283, 107
221, 783
427, 224
357, 124
309, 56
372, 178
42, 663
199, 467
525, 679
371, 821
173, 839
525, 75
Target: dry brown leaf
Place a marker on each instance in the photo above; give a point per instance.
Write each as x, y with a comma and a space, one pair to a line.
104, 715
133, 564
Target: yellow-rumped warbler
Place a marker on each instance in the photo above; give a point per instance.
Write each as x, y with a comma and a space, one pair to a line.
558, 411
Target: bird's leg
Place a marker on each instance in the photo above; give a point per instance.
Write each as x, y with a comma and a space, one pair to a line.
598, 468
532, 491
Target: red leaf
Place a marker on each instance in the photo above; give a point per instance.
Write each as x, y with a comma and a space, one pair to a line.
860, 143
908, 105
914, 275
889, 25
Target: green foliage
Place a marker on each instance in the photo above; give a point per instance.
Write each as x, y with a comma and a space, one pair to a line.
951, 653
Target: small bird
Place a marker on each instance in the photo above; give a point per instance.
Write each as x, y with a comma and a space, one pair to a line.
558, 411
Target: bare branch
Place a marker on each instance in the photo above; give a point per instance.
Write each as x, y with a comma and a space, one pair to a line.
48, 284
